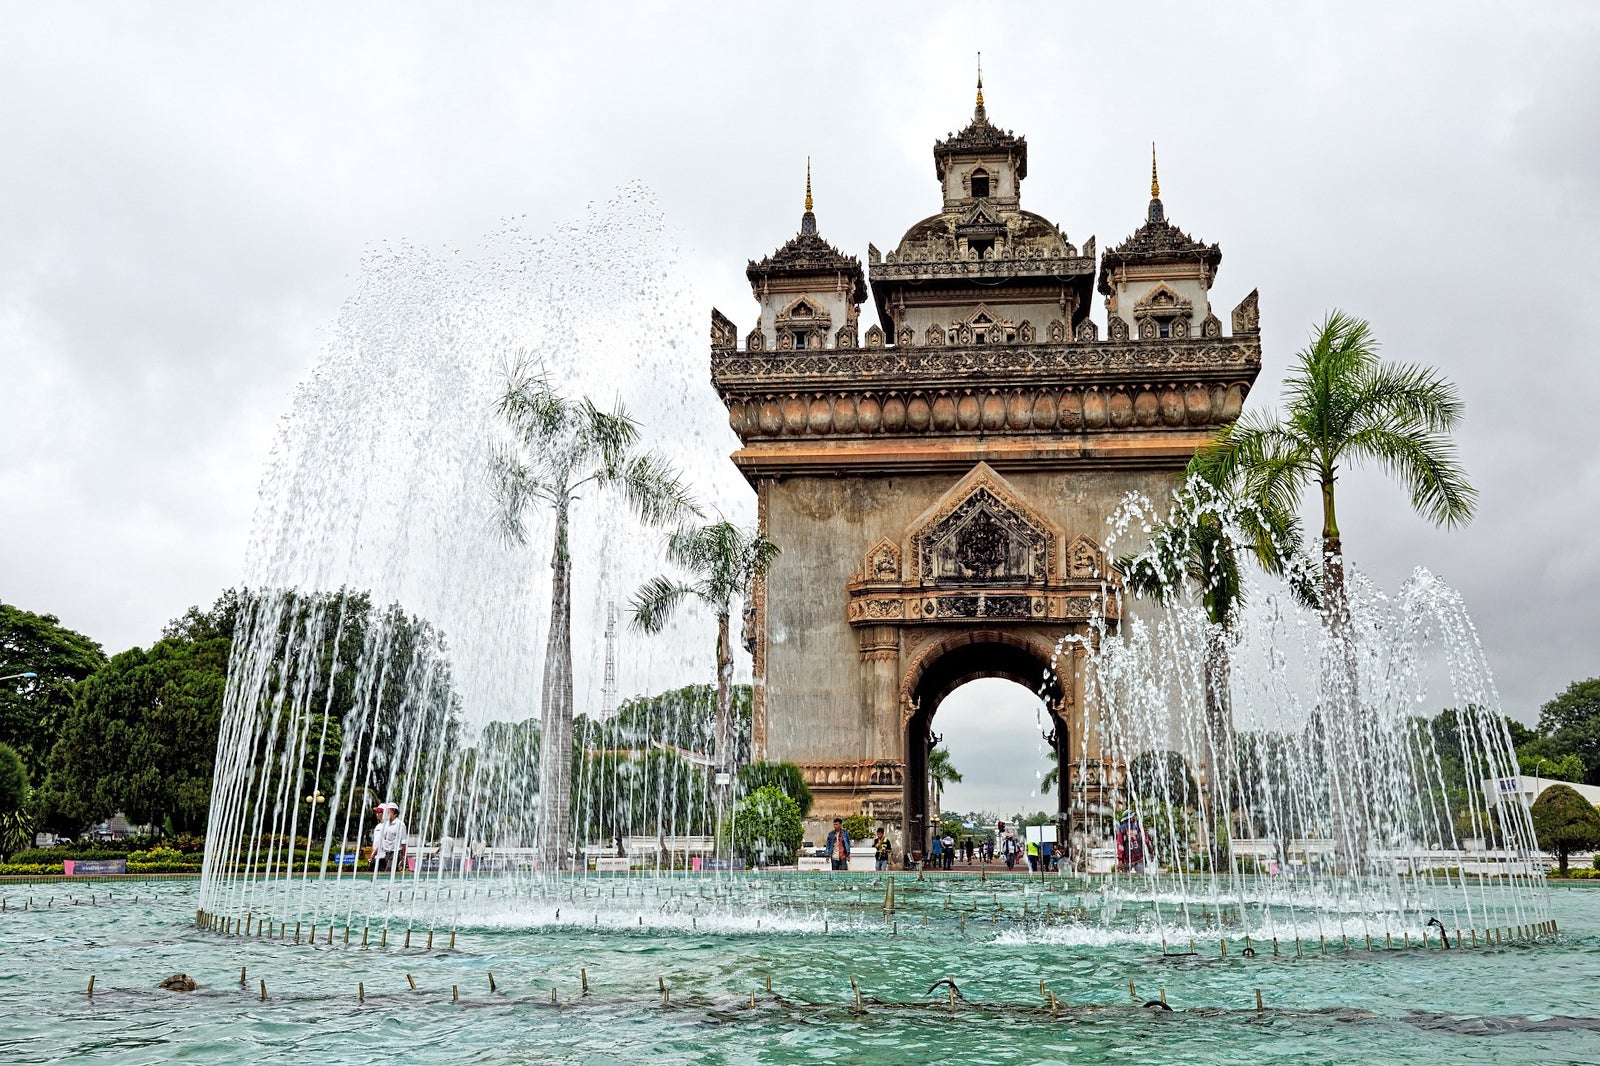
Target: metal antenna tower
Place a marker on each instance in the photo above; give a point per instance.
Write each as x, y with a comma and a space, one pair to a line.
608, 689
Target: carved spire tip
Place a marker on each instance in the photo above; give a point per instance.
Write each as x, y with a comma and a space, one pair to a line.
979, 114
1155, 183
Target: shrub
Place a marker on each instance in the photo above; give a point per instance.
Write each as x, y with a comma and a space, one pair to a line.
859, 826
785, 776
29, 869
1565, 822
766, 828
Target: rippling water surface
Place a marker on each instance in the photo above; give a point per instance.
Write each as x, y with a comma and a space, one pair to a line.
1530, 1003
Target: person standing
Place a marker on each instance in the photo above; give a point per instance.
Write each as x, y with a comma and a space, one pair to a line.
388, 840
949, 851
1033, 856
881, 850
839, 846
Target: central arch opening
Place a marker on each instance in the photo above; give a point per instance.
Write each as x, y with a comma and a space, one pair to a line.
978, 657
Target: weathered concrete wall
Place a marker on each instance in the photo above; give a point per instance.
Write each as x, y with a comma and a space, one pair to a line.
817, 686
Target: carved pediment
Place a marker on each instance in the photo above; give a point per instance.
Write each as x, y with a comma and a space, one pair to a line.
882, 564
1085, 558
983, 533
1161, 301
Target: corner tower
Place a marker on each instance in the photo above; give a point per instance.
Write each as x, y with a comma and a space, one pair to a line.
939, 484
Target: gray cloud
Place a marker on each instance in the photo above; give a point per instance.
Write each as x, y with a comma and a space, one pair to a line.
188, 195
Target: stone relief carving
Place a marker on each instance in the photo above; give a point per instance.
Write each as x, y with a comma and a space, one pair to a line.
981, 532
1083, 558
723, 333
1211, 327
1117, 328
1088, 331
1057, 331
874, 337
1247, 316
883, 562
755, 340
1025, 332
934, 336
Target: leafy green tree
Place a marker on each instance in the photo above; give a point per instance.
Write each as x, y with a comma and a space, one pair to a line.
1565, 822
1571, 726
16, 824
636, 793
723, 563
33, 708
786, 776
683, 718
1163, 777
563, 449
765, 828
1346, 407
141, 737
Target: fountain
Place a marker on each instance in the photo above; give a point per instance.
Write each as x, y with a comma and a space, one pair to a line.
388, 653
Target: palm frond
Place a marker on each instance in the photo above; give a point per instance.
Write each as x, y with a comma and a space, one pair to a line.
656, 601
535, 412
652, 488
1426, 466
514, 486
1404, 396
609, 436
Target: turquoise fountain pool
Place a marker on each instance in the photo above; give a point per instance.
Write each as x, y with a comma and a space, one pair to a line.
713, 947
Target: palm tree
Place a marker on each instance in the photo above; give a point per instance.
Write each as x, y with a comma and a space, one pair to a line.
941, 772
723, 562
1047, 784
1345, 407
561, 448
1199, 545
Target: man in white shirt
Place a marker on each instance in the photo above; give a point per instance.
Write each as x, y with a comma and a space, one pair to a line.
388, 840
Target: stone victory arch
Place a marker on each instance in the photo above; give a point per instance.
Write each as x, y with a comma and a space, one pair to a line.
937, 484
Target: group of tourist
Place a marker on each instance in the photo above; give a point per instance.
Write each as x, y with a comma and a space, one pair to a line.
946, 850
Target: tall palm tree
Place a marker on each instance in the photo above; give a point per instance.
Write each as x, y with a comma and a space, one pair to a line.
1346, 407
563, 448
1343, 407
941, 772
723, 562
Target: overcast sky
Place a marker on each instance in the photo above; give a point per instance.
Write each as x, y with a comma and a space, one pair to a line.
186, 195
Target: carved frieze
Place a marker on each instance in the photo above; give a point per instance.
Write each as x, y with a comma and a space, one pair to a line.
878, 773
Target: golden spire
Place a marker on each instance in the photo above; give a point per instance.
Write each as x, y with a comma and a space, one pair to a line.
1155, 183
979, 106
808, 183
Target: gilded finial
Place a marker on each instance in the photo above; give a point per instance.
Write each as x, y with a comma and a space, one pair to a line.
808, 221
1155, 183
978, 112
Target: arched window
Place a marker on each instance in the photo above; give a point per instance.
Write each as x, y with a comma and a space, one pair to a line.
980, 184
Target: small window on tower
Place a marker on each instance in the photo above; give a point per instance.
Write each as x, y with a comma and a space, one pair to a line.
800, 340
980, 184
1164, 329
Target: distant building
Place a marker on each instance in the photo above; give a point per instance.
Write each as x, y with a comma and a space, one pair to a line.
1496, 789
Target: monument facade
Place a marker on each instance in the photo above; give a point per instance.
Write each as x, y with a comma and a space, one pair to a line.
938, 482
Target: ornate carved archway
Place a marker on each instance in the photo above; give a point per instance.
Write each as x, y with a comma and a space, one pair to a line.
981, 584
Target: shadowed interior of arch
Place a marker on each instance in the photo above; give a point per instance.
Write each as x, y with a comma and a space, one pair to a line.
998, 720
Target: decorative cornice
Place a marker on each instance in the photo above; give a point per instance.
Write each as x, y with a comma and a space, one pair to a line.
919, 367
901, 267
